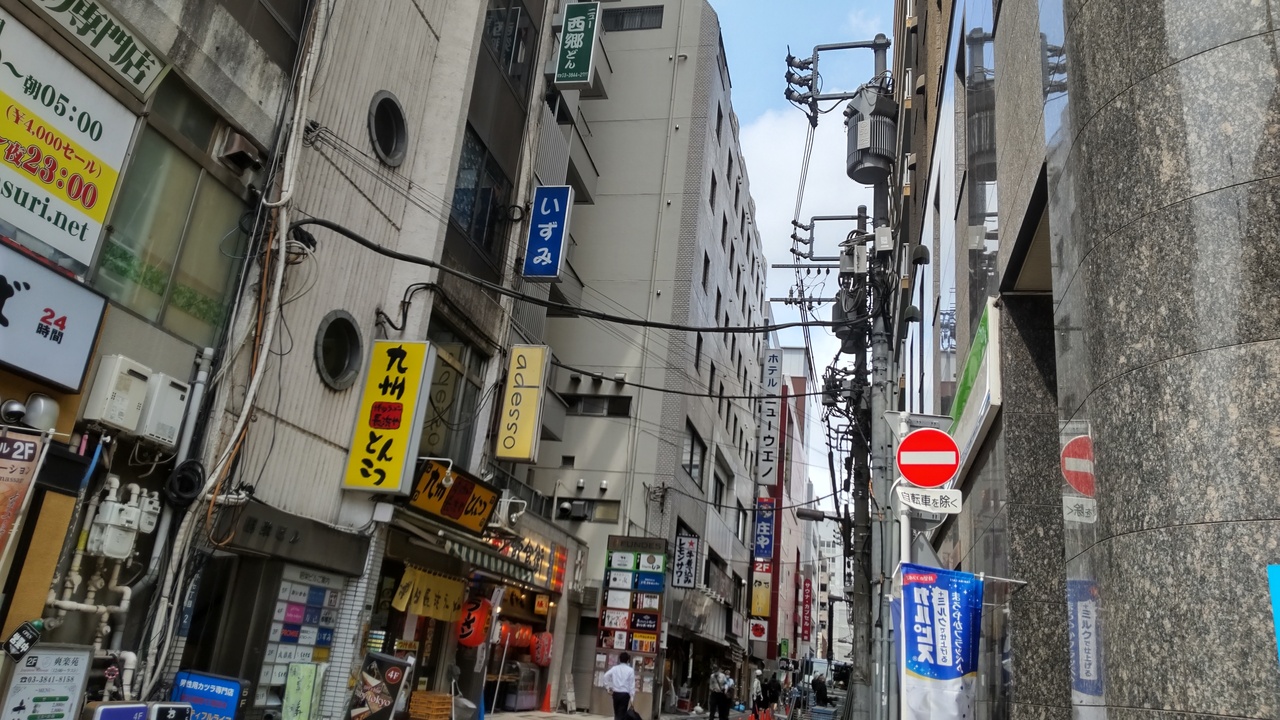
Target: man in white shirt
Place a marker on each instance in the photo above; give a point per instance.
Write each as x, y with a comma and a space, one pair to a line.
620, 680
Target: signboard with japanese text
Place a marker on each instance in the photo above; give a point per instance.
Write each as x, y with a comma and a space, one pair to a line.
651, 582
758, 629
544, 249
301, 691
302, 628
212, 697
105, 36
519, 424
48, 323
934, 500
763, 542
429, 594
684, 571
1084, 627
941, 621
806, 612
384, 445
769, 418
559, 566
632, 625
63, 141
21, 641
575, 59
48, 683
651, 562
531, 549
455, 498
19, 460
762, 592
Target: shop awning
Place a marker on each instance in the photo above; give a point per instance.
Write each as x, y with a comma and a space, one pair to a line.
490, 561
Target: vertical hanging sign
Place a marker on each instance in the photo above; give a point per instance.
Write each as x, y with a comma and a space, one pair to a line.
548, 231
684, 572
574, 62
384, 445
806, 613
768, 419
522, 406
763, 542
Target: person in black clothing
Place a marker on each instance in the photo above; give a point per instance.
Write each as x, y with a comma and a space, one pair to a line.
820, 690
774, 693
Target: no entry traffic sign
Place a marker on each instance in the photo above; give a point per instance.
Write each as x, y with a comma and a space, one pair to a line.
928, 458
1077, 464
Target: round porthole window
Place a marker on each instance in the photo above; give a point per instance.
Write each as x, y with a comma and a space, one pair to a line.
338, 351
388, 129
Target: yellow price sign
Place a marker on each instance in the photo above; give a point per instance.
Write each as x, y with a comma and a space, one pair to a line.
522, 405
384, 445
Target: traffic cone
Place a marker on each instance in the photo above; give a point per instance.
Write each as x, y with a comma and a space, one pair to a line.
546, 699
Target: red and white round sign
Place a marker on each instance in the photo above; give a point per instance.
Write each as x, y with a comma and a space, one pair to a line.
928, 458
1077, 464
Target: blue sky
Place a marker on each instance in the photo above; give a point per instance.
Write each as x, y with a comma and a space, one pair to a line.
772, 133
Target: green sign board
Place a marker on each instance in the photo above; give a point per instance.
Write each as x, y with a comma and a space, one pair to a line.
577, 41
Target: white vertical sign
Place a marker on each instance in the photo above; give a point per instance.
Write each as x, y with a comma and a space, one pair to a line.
768, 419
684, 574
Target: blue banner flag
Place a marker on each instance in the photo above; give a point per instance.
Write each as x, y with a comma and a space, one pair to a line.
548, 230
941, 627
1083, 622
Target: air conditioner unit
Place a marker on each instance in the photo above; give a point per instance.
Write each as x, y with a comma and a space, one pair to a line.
163, 411
578, 510
118, 394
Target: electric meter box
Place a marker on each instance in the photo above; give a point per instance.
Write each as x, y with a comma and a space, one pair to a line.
118, 394
163, 410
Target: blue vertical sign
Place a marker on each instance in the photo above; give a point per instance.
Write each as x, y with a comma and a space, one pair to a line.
1273, 580
941, 626
548, 230
763, 543
1086, 647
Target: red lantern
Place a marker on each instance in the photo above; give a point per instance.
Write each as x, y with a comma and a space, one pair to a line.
542, 649
523, 637
473, 628
506, 633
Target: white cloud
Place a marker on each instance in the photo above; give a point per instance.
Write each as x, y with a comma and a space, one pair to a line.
773, 146
863, 23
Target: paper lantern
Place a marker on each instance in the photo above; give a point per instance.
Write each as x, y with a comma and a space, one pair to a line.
473, 628
542, 649
506, 633
523, 637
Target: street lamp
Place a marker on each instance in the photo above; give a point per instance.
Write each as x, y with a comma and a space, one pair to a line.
817, 515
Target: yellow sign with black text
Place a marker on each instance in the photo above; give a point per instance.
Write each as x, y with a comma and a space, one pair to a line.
384, 445
454, 497
762, 589
521, 416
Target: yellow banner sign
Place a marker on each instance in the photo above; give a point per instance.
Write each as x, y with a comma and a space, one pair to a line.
761, 590
384, 446
430, 594
454, 497
521, 416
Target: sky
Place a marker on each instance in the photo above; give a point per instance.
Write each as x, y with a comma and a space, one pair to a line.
756, 35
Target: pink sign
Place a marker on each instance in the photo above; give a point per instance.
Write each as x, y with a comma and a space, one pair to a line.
294, 613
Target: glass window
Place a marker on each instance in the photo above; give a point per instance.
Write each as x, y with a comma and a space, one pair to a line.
480, 196
718, 487
274, 24
174, 243
694, 457
639, 18
509, 33
449, 429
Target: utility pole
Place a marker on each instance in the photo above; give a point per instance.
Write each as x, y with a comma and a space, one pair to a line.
862, 310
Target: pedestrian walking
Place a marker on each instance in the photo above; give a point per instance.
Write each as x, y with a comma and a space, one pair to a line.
757, 697
719, 695
820, 690
620, 680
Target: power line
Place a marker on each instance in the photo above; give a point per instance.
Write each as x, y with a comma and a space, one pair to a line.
689, 393
582, 312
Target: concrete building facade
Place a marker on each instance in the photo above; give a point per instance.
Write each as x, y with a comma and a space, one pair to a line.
1126, 383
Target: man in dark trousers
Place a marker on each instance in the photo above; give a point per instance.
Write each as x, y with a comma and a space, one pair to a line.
719, 695
620, 681
774, 693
